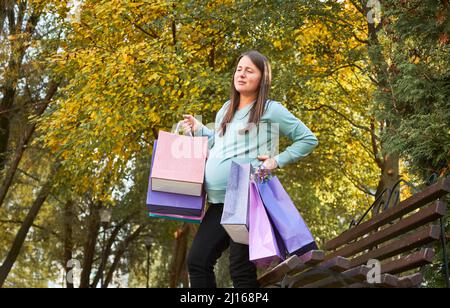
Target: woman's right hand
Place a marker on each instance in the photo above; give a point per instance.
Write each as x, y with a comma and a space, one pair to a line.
190, 124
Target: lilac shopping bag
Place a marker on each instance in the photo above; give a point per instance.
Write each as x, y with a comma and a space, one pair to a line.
235, 210
286, 219
174, 204
263, 245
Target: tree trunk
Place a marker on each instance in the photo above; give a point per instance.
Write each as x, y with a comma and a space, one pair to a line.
11, 75
3, 9
68, 239
6, 184
107, 252
12, 72
119, 253
6, 103
23, 231
390, 161
390, 174
178, 265
89, 246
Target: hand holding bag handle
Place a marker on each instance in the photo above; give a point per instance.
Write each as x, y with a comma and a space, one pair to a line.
177, 129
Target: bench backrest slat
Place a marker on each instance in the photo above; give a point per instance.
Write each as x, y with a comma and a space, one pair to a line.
408, 205
412, 261
407, 243
413, 221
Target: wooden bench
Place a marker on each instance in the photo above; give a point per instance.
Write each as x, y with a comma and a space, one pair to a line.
399, 238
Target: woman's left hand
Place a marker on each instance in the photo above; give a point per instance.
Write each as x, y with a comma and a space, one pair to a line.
269, 164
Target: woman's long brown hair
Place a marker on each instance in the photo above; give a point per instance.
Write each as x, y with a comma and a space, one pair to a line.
257, 111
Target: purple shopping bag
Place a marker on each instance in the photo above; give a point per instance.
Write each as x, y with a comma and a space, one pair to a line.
263, 245
286, 219
171, 203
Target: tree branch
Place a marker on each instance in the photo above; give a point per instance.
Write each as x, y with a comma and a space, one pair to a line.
22, 8
33, 21
174, 32
25, 227
152, 33
25, 140
358, 7
340, 114
120, 251
107, 250
11, 18
362, 41
29, 175
356, 183
20, 222
374, 144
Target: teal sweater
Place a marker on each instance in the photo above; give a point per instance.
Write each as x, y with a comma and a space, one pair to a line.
245, 147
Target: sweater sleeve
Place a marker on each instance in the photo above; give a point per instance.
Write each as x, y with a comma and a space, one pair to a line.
211, 132
205, 131
303, 140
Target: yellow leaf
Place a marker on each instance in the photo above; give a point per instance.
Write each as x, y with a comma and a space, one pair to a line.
277, 44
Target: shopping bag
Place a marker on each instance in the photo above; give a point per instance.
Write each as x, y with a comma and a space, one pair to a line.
179, 164
164, 203
183, 218
285, 217
263, 245
235, 210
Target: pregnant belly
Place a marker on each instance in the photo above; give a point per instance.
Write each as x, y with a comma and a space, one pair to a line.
216, 173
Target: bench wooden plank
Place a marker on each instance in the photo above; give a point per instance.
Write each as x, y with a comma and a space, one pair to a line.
411, 222
278, 272
417, 259
344, 279
422, 198
359, 273
324, 270
401, 245
309, 260
387, 281
293, 263
410, 281
307, 277
312, 257
338, 264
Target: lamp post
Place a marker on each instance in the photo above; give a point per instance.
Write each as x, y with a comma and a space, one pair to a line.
105, 219
148, 244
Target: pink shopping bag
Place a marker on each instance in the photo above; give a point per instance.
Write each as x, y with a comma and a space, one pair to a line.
179, 164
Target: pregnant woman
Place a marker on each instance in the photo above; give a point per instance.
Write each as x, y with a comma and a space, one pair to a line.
244, 132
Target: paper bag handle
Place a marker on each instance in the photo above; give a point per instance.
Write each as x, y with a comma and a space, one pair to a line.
177, 129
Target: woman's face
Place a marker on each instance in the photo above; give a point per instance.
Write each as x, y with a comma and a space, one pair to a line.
247, 77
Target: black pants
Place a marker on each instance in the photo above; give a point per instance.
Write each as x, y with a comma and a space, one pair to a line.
209, 243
